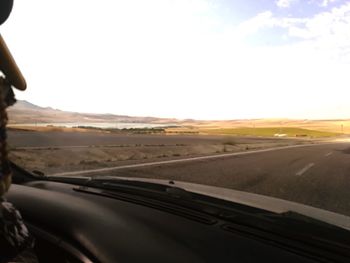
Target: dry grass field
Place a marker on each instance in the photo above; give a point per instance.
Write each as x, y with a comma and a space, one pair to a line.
56, 151
52, 149
319, 128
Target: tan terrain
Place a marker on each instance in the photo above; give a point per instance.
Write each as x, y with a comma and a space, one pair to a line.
57, 151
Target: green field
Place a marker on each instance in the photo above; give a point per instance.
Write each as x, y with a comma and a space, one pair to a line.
271, 131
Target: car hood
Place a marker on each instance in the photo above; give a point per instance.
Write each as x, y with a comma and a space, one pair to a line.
271, 204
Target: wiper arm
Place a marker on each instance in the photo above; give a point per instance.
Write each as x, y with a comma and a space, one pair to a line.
216, 207
226, 210
21, 175
173, 191
221, 208
291, 228
170, 193
171, 201
78, 180
288, 226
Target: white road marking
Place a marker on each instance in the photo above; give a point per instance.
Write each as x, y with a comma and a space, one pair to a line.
328, 154
302, 171
114, 168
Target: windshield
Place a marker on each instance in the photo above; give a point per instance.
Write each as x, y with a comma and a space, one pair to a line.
244, 95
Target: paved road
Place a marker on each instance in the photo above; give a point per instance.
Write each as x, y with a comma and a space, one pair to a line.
171, 161
81, 139
314, 175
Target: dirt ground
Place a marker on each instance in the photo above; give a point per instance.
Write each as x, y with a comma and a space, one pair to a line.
54, 152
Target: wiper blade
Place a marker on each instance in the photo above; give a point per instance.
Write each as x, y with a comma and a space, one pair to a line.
216, 207
122, 184
79, 180
288, 223
221, 208
160, 192
290, 227
118, 184
21, 175
172, 194
160, 204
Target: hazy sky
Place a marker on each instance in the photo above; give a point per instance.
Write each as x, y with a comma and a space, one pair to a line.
200, 59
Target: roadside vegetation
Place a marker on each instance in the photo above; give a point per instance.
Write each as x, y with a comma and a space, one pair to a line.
237, 131
270, 132
126, 130
51, 159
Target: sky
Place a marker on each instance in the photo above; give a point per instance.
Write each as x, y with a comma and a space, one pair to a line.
201, 59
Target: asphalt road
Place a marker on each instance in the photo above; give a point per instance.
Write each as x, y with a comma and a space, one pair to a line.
317, 175
79, 139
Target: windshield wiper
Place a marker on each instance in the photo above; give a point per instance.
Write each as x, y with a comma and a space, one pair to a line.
170, 192
21, 175
289, 227
219, 208
294, 229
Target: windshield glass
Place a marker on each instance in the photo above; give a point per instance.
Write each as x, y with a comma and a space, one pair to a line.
244, 95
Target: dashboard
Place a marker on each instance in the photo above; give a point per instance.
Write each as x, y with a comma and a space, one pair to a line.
96, 228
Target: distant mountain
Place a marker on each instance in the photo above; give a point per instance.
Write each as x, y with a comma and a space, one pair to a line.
25, 105
24, 112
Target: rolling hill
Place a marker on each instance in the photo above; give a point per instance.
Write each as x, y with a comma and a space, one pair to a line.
24, 112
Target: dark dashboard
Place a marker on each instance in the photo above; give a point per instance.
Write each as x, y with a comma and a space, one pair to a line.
96, 228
